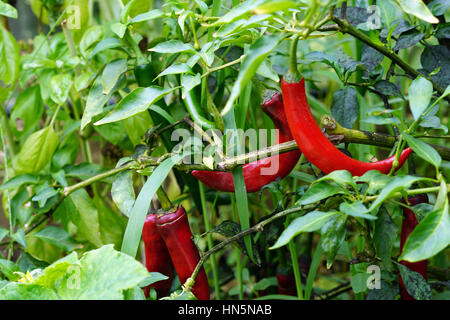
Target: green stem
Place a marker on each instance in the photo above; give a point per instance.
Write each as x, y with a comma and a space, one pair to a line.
237, 252
9, 136
293, 70
206, 220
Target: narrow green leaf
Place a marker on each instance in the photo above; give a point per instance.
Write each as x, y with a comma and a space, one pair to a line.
356, 209
415, 284
258, 51
242, 206
333, 235
112, 73
150, 15
7, 10
138, 213
319, 191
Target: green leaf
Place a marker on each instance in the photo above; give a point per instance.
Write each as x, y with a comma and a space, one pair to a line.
375, 180
60, 85
256, 54
37, 151
242, 206
137, 125
26, 291
345, 106
319, 191
122, 192
415, 284
85, 216
188, 82
419, 95
105, 44
384, 237
97, 99
333, 235
9, 57
395, 185
17, 181
429, 237
173, 46
28, 108
150, 15
103, 275
119, 29
176, 68
52, 274
56, 236
419, 9
8, 268
138, 213
356, 209
424, 150
310, 222
139, 100
340, 177
112, 73
3, 233
7, 10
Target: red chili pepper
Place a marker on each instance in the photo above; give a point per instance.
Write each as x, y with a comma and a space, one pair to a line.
254, 178
408, 225
174, 229
157, 258
313, 143
286, 281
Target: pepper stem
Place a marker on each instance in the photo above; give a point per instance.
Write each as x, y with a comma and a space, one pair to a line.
293, 58
163, 199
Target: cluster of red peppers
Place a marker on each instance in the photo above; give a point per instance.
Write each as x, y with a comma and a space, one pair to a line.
168, 245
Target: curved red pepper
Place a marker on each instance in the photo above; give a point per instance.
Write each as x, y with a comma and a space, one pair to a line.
313, 143
253, 177
174, 229
157, 258
408, 225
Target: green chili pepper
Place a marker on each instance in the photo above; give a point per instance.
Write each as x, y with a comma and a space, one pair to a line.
195, 111
144, 74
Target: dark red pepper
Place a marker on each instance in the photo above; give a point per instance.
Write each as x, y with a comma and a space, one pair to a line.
409, 223
174, 229
157, 257
286, 281
313, 143
253, 177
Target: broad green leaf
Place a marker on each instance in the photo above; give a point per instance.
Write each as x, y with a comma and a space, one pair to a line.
242, 9
85, 217
319, 191
150, 15
345, 106
8, 268
415, 284
419, 9
139, 100
105, 44
28, 109
122, 192
256, 54
112, 73
119, 29
384, 236
37, 151
26, 291
333, 235
52, 274
56, 236
375, 180
9, 56
424, 150
356, 209
154, 277
7, 10
137, 125
60, 85
270, 6
419, 95
176, 68
188, 82
97, 99
429, 237
103, 275
17, 181
173, 46
399, 183
3, 233
138, 213
112, 223
310, 222
340, 177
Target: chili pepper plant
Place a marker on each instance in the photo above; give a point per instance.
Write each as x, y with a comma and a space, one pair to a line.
229, 150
